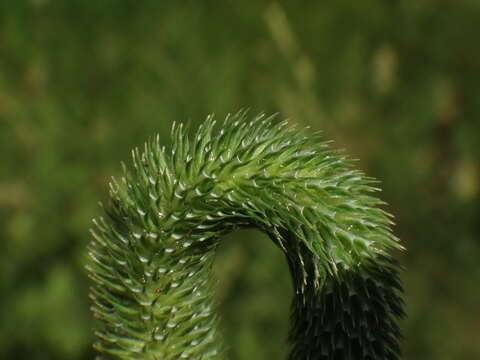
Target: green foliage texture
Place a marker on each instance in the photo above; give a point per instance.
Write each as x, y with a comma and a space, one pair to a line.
82, 82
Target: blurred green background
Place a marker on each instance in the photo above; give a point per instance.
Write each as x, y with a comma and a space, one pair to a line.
396, 83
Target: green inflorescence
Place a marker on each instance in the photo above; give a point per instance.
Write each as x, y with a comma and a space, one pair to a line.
151, 255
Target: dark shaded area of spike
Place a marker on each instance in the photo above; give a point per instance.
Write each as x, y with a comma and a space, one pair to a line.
353, 317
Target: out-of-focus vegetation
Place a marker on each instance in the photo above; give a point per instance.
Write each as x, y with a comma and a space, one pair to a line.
396, 83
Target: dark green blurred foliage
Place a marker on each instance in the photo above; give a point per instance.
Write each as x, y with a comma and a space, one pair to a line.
396, 83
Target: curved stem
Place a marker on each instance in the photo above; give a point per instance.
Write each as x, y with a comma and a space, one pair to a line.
151, 256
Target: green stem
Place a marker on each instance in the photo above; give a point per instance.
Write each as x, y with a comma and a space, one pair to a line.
151, 257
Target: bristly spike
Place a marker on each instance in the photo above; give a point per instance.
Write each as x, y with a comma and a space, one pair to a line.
151, 256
